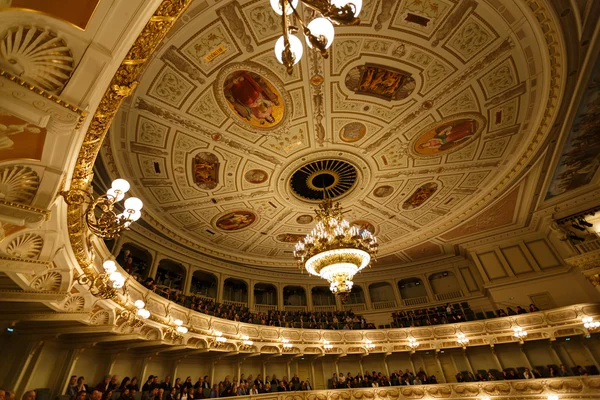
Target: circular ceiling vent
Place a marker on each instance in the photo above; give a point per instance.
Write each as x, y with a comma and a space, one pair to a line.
324, 178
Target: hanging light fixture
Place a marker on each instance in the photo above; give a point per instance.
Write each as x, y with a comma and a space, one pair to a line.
412, 343
105, 284
462, 339
101, 218
335, 250
319, 32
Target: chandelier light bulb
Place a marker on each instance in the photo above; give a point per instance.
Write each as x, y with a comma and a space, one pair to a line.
295, 46
276, 5
134, 216
109, 266
114, 194
247, 342
133, 203
115, 276
321, 28
178, 322
552, 397
143, 313
485, 398
218, 333
356, 5
118, 284
182, 329
120, 185
139, 303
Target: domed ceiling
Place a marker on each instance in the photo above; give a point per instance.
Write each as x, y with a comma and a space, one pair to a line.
422, 115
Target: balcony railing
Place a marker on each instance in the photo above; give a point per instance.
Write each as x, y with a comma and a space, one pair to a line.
329, 308
380, 305
295, 308
355, 307
264, 307
448, 296
588, 246
415, 301
235, 303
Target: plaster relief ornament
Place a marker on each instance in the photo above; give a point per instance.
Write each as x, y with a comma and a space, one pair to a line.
205, 169
448, 135
19, 138
420, 196
380, 81
364, 225
236, 220
37, 56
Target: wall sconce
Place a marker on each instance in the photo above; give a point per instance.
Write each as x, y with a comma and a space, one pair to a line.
327, 346
287, 346
462, 340
246, 342
412, 343
100, 216
135, 319
519, 333
176, 331
369, 345
105, 284
552, 397
590, 324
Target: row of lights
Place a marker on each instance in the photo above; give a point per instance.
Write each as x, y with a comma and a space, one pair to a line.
589, 323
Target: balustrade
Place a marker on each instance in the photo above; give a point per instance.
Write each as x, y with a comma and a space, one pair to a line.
295, 308
379, 305
329, 308
354, 307
414, 301
235, 303
448, 296
264, 307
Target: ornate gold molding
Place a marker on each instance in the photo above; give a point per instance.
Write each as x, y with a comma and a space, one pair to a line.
122, 84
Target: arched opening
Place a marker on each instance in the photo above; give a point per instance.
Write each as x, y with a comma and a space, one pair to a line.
322, 296
413, 291
135, 260
445, 286
294, 296
357, 295
265, 294
170, 274
204, 284
382, 295
235, 290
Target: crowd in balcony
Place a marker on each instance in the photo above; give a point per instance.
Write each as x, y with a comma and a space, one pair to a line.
110, 388
450, 313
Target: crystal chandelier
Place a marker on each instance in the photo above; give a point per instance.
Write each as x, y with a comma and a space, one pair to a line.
334, 250
319, 32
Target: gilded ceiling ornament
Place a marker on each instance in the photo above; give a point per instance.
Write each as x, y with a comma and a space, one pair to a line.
38, 56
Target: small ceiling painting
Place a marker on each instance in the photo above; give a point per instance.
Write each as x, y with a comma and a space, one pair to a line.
205, 168
353, 132
236, 220
20, 139
256, 176
304, 219
380, 81
253, 99
383, 191
289, 237
420, 196
447, 136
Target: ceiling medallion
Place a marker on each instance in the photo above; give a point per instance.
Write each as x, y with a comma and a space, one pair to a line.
335, 250
321, 179
319, 32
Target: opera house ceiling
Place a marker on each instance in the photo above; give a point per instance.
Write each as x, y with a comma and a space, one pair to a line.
424, 123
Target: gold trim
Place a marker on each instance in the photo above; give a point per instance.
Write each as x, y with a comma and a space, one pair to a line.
122, 85
45, 94
45, 213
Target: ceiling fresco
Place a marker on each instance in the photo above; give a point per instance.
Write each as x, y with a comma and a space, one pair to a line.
431, 105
